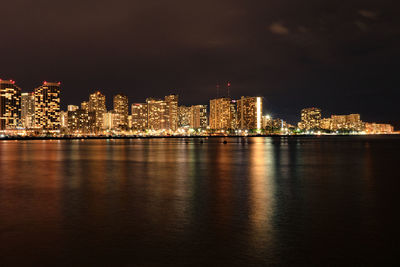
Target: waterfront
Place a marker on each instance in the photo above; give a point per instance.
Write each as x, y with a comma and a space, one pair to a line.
252, 201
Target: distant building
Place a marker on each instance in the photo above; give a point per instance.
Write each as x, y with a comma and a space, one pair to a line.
249, 113
47, 106
28, 110
223, 114
157, 114
198, 116
172, 111
378, 128
10, 105
81, 121
121, 110
109, 120
97, 104
85, 105
350, 122
72, 108
310, 119
64, 119
184, 116
139, 116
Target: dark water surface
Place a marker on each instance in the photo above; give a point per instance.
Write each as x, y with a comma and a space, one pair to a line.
256, 201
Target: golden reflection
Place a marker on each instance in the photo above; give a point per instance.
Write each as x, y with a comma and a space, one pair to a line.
261, 190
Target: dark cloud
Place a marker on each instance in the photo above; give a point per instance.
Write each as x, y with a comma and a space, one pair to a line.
278, 28
342, 56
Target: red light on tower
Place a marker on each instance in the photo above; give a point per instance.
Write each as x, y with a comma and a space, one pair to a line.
44, 82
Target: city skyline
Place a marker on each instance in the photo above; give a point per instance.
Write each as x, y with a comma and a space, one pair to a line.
323, 53
39, 112
221, 90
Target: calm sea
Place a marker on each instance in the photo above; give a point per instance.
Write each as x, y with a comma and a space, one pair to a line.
252, 201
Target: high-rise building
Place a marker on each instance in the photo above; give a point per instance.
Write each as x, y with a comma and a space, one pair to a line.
139, 116
64, 119
198, 116
310, 119
378, 128
222, 114
110, 120
81, 121
28, 110
97, 104
158, 114
10, 105
350, 122
72, 108
249, 112
172, 111
47, 106
121, 111
85, 105
184, 116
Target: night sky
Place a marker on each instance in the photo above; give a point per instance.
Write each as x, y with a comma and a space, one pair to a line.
341, 56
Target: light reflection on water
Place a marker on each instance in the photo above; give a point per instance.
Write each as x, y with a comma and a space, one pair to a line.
177, 201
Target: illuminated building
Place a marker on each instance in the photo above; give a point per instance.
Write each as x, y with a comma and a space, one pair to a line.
184, 116
121, 111
172, 111
326, 124
28, 110
139, 116
81, 121
10, 105
378, 128
249, 112
198, 117
47, 106
85, 105
222, 114
110, 120
350, 122
64, 119
310, 119
97, 104
72, 108
266, 121
158, 114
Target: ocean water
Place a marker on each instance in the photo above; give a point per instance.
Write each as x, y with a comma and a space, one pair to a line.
200, 202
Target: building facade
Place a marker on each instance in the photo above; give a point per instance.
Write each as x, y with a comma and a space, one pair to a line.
221, 114
97, 104
121, 111
47, 106
184, 116
198, 117
28, 110
139, 116
172, 111
10, 105
310, 119
249, 113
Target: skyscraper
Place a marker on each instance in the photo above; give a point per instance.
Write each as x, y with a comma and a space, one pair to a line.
249, 112
97, 104
139, 116
184, 116
28, 110
198, 117
222, 114
47, 106
158, 114
121, 111
310, 119
10, 105
172, 111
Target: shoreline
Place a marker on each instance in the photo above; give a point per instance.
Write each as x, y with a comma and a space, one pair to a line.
18, 138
